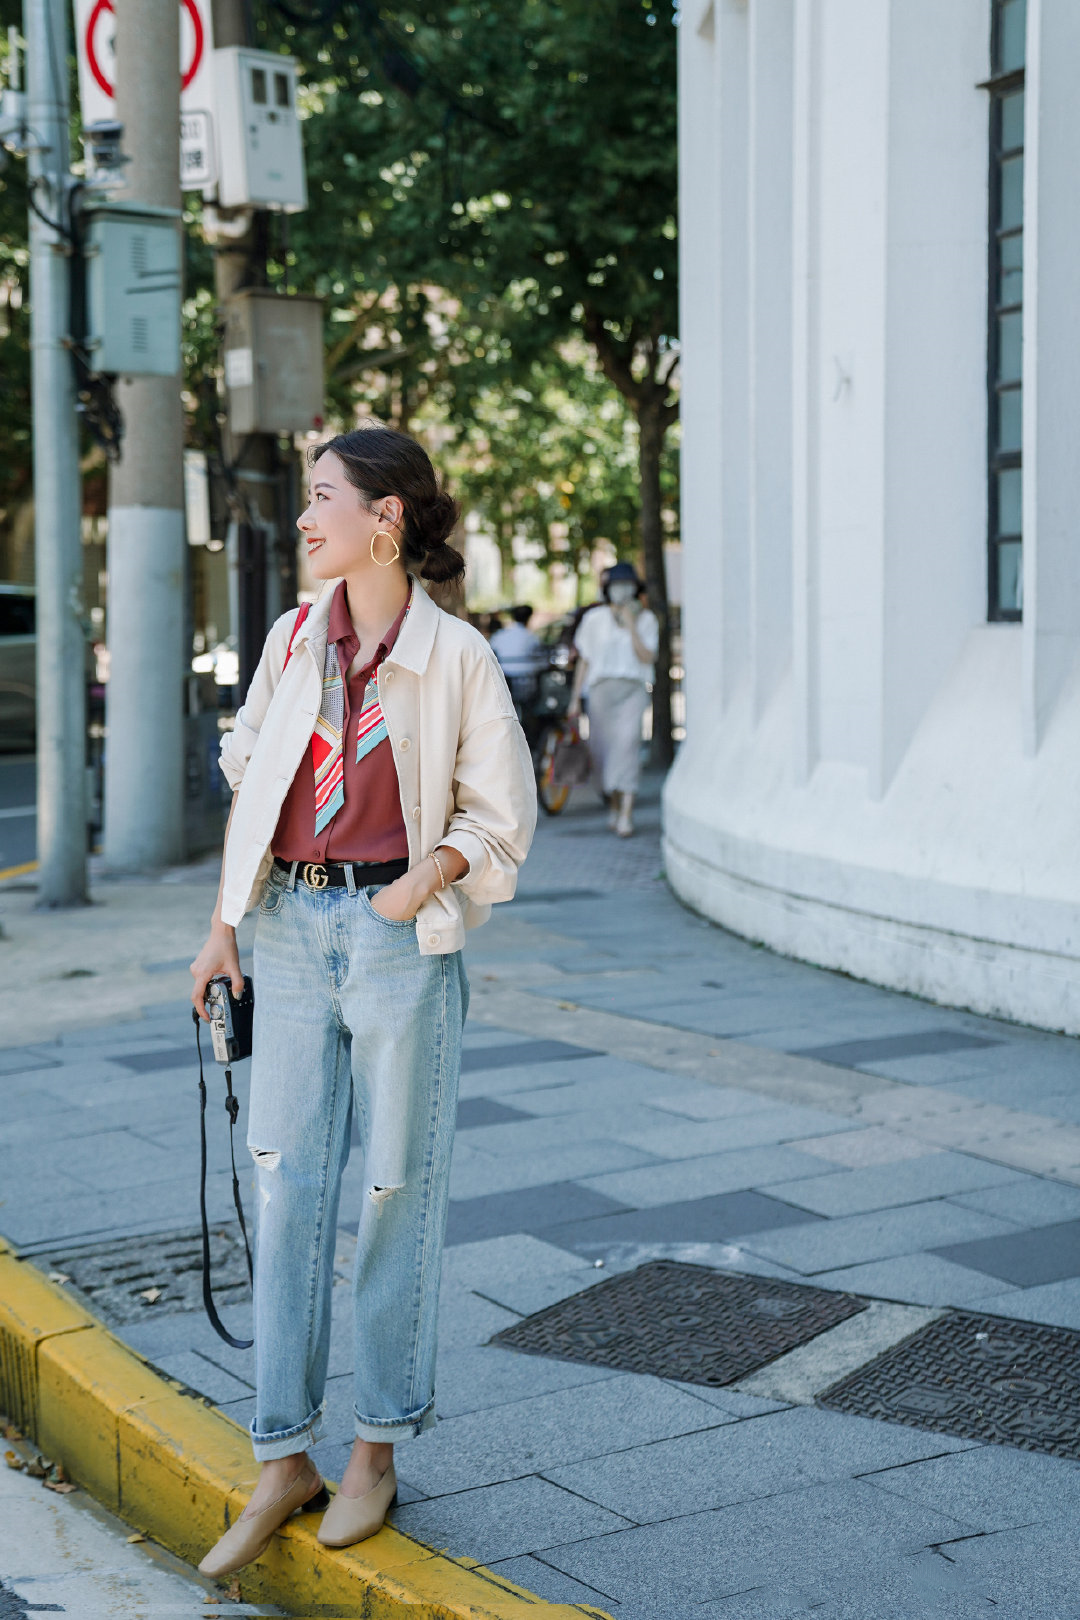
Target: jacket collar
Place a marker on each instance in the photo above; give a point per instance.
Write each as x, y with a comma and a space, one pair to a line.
411, 650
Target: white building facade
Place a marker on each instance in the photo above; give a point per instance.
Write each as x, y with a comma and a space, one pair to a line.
880, 219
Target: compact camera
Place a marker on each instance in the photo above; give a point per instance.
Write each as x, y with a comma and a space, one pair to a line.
230, 1019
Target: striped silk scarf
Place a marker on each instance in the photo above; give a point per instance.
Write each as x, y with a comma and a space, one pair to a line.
327, 739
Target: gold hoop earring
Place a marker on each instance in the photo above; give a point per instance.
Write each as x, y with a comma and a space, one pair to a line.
378, 535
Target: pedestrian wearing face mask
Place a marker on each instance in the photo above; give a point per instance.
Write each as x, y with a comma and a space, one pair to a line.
616, 645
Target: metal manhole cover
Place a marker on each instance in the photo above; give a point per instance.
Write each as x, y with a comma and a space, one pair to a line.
681, 1321
114, 1278
987, 1378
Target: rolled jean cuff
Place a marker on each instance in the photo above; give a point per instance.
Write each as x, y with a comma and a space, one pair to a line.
388, 1431
287, 1442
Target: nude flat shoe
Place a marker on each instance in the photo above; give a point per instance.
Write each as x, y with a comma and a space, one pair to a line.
349, 1519
248, 1539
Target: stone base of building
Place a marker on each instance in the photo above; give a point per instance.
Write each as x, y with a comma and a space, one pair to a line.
960, 883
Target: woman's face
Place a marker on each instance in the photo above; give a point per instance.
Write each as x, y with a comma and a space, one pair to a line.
337, 526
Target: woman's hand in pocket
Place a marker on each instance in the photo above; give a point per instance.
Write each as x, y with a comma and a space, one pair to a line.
402, 899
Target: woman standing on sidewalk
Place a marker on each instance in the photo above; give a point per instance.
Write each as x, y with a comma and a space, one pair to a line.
616, 644
384, 798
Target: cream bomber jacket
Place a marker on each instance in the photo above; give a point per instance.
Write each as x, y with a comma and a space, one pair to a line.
463, 766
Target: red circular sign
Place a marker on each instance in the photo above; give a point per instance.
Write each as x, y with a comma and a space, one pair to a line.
102, 6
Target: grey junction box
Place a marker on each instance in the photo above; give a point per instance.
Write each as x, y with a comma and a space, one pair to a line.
133, 289
273, 362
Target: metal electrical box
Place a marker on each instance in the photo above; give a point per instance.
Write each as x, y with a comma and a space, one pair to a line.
260, 151
133, 262
273, 362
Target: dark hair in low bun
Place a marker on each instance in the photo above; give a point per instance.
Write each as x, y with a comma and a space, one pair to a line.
380, 461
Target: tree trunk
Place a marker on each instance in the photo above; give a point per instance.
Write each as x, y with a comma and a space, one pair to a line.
651, 426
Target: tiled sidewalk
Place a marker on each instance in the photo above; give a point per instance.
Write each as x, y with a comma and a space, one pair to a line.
652, 1498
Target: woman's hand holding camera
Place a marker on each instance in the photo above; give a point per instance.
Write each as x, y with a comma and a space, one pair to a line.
218, 955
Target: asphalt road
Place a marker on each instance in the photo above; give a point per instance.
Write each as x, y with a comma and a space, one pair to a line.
18, 791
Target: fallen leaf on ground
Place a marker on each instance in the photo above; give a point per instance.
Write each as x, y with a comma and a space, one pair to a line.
59, 1277
11, 1432
232, 1591
151, 1295
13, 1460
138, 1536
39, 1468
568, 1006
61, 1486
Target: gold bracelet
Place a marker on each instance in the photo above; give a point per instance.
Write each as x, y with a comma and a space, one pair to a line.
442, 874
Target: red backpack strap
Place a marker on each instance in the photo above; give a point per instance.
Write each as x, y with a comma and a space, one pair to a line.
297, 622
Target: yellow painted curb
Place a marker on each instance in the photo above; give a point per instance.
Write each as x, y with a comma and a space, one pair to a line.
18, 871
180, 1471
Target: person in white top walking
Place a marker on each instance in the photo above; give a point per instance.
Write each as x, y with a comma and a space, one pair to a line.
616, 644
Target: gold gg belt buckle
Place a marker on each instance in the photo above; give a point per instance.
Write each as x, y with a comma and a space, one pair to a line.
315, 875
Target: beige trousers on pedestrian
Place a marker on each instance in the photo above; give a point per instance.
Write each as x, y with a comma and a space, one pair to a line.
616, 710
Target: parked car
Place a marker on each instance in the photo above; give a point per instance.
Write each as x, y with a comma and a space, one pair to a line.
18, 647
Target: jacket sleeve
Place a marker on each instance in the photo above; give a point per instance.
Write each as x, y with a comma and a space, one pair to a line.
494, 814
238, 744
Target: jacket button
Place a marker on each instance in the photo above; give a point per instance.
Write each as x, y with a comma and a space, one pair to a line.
389, 675
416, 813
404, 745
433, 939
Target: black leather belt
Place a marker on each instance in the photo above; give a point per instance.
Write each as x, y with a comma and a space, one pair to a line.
332, 874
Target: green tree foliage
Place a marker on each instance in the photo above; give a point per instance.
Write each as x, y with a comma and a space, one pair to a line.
488, 179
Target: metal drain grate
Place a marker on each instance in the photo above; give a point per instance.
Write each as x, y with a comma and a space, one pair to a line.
986, 1378
681, 1321
112, 1278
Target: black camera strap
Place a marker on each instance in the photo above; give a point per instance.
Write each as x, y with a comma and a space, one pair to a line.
232, 1106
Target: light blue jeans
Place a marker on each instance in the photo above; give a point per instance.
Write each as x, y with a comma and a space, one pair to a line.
349, 1019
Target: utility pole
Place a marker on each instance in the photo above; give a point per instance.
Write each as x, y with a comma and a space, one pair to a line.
144, 758
261, 531
61, 642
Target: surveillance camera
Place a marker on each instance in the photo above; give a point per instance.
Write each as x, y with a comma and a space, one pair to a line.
104, 149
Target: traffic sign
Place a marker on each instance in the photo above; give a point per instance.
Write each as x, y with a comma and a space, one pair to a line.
95, 29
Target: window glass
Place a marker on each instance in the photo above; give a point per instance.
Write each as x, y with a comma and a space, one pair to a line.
1009, 422
16, 615
1011, 33
1005, 285
258, 86
1010, 577
281, 91
1009, 346
1010, 494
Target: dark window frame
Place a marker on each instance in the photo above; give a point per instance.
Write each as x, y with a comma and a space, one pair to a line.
1001, 84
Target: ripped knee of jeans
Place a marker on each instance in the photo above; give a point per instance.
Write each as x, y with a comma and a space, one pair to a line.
379, 1195
265, 1158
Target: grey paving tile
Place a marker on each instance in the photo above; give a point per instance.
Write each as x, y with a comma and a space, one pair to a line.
884, 1048
29, 1103
877, 1235
526, 1437
989, 1487
1027, 1201
205, 1376
913, 1279
732, 1401
175, 1204
465, 1319
572, 1160
26, 1060
700, 1178
1056, 1303
547, 1583
1033, 1573
774, 1123
498, 1259
166, 1336
514, 1053
474, 1112
493, 1522
1041, 1255
593, 1087
479, 1378
793, 1539
702, 1101
697, 1220
528, 1209
531, 1132
881, 1186
859, 1148
781, 1451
